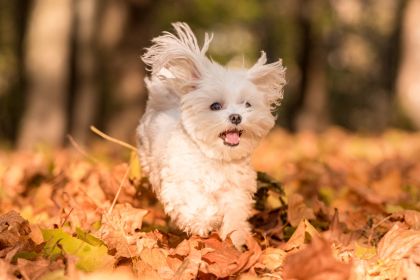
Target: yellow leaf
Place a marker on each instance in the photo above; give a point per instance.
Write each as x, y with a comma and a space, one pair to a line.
364, 252
135, 168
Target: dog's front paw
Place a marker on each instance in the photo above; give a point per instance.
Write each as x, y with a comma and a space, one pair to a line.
239, 238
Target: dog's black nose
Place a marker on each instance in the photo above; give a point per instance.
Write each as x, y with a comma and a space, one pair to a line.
235, 118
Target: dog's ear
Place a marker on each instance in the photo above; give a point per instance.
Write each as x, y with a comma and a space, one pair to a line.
269, 79
177, 58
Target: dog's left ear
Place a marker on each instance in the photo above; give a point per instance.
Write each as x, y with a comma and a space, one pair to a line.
177, 58
269, 79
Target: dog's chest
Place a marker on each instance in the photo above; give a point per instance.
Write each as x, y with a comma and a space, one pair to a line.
188, 165
224, 177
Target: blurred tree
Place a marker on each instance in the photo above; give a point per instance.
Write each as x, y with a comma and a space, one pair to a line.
85, 103
362, 59
80, 61
125, 30
13, 15
408, 83
47, 67
312, 108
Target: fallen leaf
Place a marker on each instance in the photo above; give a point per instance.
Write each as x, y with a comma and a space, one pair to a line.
398, 243
315, 262
12, 229
389, 186
299, 237
145, 271
36, 269
224, 260
188, 270
411, 218
398, 255
272, 258
89, 257
297, 209
135, 168
156, 258
120, 229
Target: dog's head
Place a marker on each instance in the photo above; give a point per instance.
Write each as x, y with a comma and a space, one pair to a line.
224, 111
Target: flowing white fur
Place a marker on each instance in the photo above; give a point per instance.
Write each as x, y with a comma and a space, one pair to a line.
204, 184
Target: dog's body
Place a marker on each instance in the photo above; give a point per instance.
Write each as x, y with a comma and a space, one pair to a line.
202, 122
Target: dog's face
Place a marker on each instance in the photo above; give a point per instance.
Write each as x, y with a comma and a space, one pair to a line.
224, 111
226, 114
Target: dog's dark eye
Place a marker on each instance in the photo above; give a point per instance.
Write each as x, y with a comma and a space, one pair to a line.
216, 106
247, 104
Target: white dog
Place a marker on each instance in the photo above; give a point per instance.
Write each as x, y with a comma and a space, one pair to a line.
201, 124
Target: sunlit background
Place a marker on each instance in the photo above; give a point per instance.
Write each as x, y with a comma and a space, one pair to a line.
69, 64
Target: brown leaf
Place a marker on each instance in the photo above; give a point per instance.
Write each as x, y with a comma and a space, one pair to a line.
120, 229
156, 258
389, 186
398, 255
297, 209
145, 271
224, 259
250, 257
183, 249
411, 218
272, 258
299, 236
35, 269
14, 235
12, 228
6, 270
315, 262
188, 270
174, 263
111, 275
399, 243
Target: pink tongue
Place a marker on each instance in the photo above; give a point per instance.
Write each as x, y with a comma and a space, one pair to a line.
232, 138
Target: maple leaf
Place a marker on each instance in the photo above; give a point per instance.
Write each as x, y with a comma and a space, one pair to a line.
223, 259
120, 229
192, 250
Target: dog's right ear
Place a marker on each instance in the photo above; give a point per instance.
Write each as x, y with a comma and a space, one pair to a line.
269, 78
177, 59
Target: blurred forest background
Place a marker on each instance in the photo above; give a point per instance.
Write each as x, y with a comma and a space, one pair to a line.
69, 64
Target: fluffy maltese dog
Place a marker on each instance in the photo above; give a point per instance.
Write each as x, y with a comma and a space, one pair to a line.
201, 124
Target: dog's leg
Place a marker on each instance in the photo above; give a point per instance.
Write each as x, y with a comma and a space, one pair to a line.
190, 209
237, 206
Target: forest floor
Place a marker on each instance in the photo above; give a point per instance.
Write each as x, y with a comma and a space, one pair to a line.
334, 206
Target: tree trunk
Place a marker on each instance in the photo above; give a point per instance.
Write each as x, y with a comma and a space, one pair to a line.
47, 55
86, 92
313, 113
124, 70
408, 82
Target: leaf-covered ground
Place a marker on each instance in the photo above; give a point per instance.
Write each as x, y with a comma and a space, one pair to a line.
333, 206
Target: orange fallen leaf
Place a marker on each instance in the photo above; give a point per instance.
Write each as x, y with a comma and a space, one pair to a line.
297, 209
120, 229
299, 236
315, 262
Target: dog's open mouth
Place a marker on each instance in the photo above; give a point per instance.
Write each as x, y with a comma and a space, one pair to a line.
231, 137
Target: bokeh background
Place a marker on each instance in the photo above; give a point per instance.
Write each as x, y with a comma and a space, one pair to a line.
69, 64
